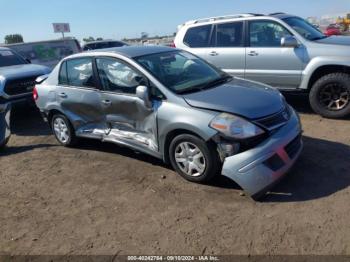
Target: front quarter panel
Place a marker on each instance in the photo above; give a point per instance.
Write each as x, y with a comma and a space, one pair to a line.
173, 117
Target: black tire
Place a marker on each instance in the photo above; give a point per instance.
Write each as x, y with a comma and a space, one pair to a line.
72, 139
340, 80
212, 160
3, 145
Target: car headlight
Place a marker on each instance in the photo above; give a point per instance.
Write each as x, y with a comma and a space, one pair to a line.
235, 126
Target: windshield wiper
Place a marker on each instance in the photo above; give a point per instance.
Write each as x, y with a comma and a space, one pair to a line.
207, 85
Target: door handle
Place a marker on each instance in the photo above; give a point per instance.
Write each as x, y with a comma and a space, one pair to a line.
213, 53
63, 95
253, 53
106, 102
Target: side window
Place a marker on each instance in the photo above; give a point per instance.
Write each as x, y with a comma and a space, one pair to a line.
266, 34
198, 36
229, 34
62, 77
80, 73
117, 77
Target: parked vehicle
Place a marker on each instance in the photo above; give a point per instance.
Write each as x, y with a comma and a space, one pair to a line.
175, 106
47, 53
332, 30
5, 109
103, 44
281, 50
17, 76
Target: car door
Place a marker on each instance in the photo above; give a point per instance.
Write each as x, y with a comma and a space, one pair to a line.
128, 120
226, 49
269, 62
220, 44
79, 98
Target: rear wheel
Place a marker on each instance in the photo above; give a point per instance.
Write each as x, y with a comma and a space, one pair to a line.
330, 95
193, 158
63, 130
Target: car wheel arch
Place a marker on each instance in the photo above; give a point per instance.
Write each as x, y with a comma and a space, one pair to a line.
325, 70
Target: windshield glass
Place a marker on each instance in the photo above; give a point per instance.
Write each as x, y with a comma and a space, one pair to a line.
182, 72
9, 58
304, 28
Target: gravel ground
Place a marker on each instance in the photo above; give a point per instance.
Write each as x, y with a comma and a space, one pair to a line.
99, 198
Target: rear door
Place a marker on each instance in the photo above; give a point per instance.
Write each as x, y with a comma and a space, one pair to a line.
128, 120
220, 44
267, 61
79, 97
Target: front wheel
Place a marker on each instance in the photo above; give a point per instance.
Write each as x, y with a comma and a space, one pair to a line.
193, 158
330, 95
63, 130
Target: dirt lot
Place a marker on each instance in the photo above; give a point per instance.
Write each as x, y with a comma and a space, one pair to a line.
103, 199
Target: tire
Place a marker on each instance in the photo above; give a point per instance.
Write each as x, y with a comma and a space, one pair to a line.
325, 92
63, 130
200, 157
3, 145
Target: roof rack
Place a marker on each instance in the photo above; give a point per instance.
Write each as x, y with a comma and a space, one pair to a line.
216, 18
278, 13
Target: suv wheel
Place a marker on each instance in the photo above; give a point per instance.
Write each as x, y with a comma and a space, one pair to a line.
194, 159
63, 130
330, 95
3, 145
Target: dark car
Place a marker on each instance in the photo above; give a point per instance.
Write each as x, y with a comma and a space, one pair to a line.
103, 44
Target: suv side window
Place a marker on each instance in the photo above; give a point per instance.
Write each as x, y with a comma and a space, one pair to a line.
229, 34
197, 36
266, 33
80, 72
116, 76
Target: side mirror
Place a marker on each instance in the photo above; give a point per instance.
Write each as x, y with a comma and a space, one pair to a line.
143, 94
289, 41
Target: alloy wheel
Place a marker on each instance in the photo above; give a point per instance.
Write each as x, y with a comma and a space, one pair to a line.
334, 96
61, 130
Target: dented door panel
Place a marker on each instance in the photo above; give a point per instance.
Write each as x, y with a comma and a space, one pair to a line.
129, 121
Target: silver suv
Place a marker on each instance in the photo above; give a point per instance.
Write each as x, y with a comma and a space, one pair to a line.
175, 106
280, 50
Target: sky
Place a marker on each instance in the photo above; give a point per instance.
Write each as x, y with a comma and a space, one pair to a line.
116, 19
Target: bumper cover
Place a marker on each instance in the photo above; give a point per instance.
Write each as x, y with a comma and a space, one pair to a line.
5, 133
257, 169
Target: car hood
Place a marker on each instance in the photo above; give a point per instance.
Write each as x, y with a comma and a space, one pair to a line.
26, 70
335, 40
245, 98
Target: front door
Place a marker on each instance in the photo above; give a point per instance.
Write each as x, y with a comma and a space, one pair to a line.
267, 61
128, 120
79, 97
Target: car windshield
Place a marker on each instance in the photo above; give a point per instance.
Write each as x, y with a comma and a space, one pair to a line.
182, 72
304, 28
9, 58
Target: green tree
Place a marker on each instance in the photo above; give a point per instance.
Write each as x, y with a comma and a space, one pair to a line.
13, 39
89, 39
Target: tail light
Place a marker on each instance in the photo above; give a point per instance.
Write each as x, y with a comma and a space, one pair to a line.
35, 94
172, 45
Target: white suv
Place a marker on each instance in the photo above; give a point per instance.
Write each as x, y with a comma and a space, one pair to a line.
280, 50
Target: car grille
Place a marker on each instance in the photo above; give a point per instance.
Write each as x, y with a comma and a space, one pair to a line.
276, 120
293, 147
20, 86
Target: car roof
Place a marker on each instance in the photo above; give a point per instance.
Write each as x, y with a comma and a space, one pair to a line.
4, 48
134, 51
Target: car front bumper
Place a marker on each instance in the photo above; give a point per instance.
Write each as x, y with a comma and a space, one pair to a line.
258, 169
5, 110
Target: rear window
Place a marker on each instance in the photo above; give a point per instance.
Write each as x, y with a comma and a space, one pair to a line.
9, 58
198, 36
80, 73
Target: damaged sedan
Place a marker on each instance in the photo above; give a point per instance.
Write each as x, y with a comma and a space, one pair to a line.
175, 106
